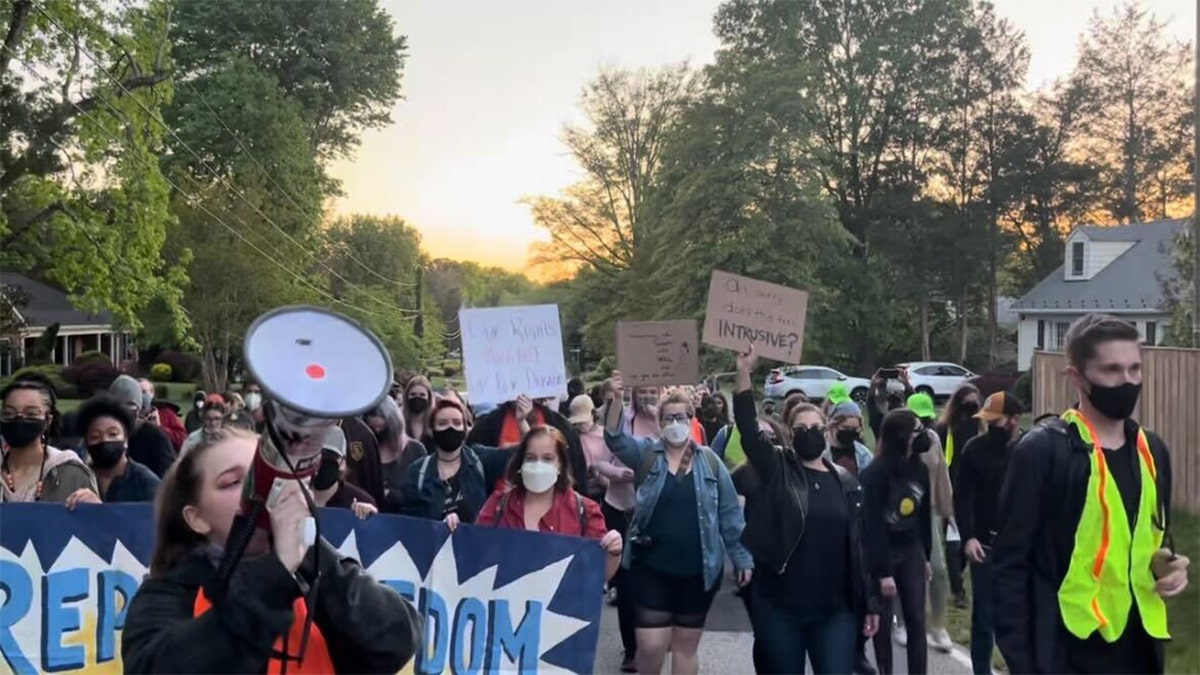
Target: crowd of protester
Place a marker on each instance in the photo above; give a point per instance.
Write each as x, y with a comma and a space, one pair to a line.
832, 540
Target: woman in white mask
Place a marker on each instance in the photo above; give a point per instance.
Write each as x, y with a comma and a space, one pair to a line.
686, 521
542, 498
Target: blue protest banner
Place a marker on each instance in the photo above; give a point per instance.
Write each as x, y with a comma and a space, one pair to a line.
494, 600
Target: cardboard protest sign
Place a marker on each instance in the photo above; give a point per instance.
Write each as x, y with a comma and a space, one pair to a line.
492, 600
509, 351
742, 310
658, 352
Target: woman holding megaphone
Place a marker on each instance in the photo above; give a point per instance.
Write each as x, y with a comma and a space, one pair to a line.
184, 619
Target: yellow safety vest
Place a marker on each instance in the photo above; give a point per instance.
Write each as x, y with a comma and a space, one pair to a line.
949, 447
1109, 559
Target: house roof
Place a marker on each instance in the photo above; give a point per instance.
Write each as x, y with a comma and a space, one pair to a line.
1133, 281
48, 305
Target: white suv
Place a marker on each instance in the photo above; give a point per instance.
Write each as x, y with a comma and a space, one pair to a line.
812, 381
939, 380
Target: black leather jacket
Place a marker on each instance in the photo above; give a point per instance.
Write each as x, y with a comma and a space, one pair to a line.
775, 515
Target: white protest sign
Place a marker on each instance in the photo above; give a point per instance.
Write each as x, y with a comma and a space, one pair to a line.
509, 351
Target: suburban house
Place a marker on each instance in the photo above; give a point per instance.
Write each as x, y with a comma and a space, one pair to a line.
1119, 270
78, 331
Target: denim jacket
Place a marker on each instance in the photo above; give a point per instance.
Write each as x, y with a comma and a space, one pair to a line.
721, 519
482, 466
862, 456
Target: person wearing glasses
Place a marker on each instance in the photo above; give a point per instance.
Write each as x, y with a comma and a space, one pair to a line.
686, 520
1083, 561
812, 595
212, 420
899, 529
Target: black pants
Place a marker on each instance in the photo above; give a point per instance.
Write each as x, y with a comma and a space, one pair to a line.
956, 564
615, 519
908, 570
756, 652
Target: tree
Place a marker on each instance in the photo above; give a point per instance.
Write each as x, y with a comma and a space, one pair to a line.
1139, 112
1180, 291
383, 252
340, 62
597, 222
84, 204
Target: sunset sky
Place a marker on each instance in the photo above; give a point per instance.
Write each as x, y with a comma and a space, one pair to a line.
489, 84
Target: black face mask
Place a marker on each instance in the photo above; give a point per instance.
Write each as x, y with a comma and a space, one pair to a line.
417, 404
449, 440
327, 474
808, 444
998, 434
22, 431
106, 455
381, 434
1115, 403
922, 443
968, 409
848, 437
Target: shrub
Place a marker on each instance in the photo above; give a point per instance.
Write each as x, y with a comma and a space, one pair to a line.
1023, 388
994, 381
607, 365
93, 355
46, 372
160, 372
185, 367
451, 368
90, 375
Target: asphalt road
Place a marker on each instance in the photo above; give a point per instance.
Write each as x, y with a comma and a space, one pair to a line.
727, 642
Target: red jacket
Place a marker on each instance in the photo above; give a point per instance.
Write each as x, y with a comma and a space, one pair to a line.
562, 518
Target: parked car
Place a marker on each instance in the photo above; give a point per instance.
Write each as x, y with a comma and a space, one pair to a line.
939, 380
813, 382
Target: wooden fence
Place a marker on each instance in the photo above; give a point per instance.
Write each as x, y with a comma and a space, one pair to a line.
1169, 406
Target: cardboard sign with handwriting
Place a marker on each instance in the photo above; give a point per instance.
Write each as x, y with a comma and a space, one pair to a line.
742, 310
509, 351
658, 352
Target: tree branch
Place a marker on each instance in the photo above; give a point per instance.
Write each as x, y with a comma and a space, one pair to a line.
16, 26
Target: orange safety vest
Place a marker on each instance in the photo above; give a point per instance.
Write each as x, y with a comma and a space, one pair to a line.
316, 656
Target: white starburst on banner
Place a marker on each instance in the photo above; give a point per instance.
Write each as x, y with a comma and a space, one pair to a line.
538, 586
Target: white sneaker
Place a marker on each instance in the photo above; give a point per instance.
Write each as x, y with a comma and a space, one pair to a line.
901, 636
940, 640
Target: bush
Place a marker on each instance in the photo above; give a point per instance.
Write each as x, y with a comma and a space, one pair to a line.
185, 367
451, 368
992, 382
93, 355
46, 372
160, 372
607, 365
1023, 388
90, 375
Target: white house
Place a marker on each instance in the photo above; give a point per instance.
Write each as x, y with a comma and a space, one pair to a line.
1119, 270
78, 331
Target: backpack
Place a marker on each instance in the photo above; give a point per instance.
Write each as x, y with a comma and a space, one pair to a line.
471, 458
649, 457
503, 504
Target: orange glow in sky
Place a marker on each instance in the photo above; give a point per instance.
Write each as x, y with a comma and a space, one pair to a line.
488, 86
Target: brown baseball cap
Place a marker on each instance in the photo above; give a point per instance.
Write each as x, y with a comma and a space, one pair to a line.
1000, 404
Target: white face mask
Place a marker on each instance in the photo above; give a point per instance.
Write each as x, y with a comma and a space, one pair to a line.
253, 401
538, 476
676, 433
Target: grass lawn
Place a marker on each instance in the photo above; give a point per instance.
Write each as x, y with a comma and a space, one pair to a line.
1183, 612
179, 393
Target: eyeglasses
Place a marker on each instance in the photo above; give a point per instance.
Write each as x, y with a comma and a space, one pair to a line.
678, 417
25, 415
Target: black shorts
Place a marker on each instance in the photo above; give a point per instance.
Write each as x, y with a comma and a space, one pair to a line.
664, 600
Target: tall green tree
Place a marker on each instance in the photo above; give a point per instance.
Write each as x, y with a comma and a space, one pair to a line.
1140, 112
83, 204
379, 251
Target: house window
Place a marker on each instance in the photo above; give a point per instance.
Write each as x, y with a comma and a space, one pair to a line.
1152, 333
1060, 334
1077, 259
1041, 334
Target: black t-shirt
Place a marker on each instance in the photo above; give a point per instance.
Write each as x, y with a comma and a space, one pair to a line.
814, 584
150, 447
453, 497
137, 484
674, 529
347, 494
1133, 652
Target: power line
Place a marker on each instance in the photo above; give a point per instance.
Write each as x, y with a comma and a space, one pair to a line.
194, 200
86, 52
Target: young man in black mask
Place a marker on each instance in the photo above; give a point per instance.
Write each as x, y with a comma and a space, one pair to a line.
1079, 565
981, 467
328, 485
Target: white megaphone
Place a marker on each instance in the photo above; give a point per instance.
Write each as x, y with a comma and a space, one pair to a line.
315, 367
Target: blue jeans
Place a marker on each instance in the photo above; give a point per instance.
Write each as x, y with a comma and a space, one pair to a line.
983, 617
782, 641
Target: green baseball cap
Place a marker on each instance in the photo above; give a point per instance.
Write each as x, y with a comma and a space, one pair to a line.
921, 405
838, 393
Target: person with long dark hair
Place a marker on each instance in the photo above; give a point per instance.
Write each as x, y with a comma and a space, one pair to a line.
804, 528
32, 469
899, 530
541, 496
955, 428
185, 618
